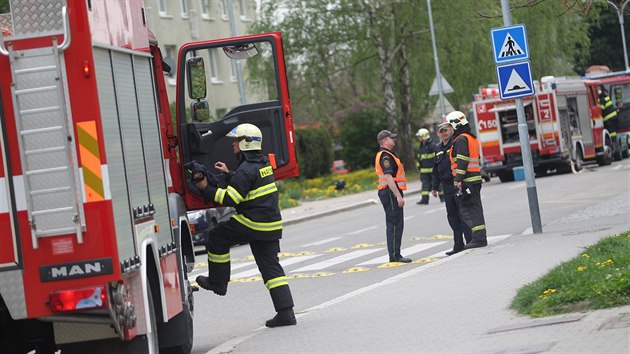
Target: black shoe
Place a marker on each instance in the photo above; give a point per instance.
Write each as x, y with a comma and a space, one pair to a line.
454, 251
284, 317
217, 288
419, 202
402, 260
476, 244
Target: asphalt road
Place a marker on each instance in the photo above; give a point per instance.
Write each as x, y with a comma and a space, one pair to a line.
329, 257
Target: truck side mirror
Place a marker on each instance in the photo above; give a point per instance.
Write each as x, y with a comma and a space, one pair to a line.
200, 111
196, 72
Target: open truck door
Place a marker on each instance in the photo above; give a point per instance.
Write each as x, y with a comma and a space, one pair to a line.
203, 120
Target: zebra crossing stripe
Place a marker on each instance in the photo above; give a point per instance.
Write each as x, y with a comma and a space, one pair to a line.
340, 259
406, 252
283, 263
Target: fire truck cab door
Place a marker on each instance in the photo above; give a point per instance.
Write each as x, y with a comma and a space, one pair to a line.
215, 93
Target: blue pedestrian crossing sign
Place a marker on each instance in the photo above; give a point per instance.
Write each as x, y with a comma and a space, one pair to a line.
515, 80
509, 44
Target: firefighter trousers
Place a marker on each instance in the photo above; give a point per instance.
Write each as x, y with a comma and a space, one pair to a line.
229, 233
425, 179
471, 211
461, 231
394, 223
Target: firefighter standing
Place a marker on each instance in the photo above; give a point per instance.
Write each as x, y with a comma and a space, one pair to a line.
424, 163
465, 164
391, 184
253, 193
609, 112
443, 177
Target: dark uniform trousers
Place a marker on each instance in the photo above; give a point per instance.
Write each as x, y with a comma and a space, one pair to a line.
229, 233
394, 221
471, 211
461, 231
425, 179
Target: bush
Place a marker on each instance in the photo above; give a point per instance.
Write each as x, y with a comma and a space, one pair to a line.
358, 136
314, 151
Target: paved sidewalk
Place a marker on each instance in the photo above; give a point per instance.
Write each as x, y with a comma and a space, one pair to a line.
461, 303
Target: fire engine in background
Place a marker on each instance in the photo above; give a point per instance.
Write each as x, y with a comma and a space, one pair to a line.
617, 85
563, 120
96, 247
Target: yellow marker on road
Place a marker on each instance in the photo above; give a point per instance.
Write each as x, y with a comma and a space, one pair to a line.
391, 265
335, 249
426, 260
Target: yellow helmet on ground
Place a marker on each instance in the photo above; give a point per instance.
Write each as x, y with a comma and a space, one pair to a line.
423, 134
248, 135
457, 119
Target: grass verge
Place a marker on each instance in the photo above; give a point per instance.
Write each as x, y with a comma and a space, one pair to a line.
598, 278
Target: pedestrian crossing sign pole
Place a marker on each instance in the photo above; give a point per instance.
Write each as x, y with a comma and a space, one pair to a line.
514, 73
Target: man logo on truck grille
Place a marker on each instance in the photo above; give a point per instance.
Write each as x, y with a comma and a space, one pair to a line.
75, 270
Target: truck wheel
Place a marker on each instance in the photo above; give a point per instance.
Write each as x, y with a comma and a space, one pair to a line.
505, 176
617, 150
606, 158
578, 165
625, 153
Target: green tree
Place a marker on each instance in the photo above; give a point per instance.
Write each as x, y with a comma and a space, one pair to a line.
358, 135
4, 6
314, 151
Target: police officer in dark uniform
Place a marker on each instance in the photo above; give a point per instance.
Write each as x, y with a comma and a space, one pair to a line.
391, 184
253, 193
443, 176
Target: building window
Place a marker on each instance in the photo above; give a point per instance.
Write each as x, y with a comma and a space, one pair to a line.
184, 8
170, 53
214, 68
163, 7
224, 10
233, 72
244, 10
205, 9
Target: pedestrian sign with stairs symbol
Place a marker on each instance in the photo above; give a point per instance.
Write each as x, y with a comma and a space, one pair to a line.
509, 44
515, 80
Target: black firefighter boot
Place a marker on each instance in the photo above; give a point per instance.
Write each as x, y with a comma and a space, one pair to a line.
217, 288
284, 317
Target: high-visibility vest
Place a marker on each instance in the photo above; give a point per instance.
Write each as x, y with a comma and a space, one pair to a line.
473, 171
400, 179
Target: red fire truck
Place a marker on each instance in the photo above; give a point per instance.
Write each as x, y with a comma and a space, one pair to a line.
563, 120
95, 244
617, 86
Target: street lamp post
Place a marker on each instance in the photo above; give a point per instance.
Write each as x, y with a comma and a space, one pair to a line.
437, 66
619, 9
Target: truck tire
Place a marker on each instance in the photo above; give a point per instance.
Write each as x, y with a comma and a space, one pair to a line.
616, 149
505, 176
606, 158
625, 153
578, 164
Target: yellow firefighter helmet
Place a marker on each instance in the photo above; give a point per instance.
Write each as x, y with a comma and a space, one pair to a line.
248, 135
423, 134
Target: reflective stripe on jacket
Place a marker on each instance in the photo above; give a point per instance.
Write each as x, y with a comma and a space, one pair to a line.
465, 159
426, 157
400, 179
608, 110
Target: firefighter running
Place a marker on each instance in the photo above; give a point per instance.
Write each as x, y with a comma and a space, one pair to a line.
465, 165
252, 191
424, 163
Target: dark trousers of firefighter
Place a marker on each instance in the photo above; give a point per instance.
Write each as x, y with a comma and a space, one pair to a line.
229, 233
611, 126
461, 231
425, 179
471, 211
394, 222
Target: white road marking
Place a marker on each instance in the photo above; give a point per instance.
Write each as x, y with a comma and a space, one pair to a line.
283, 263
528, 231
339, 259
361, 231
321, 242
518, 185
434, 210
405, 252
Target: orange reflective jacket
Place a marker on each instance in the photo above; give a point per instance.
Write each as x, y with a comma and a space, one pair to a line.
400, 179
472, 171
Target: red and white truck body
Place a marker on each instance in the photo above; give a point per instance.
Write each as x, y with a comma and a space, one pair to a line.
563, 121
95, 242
